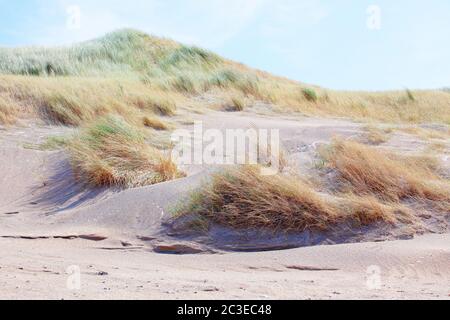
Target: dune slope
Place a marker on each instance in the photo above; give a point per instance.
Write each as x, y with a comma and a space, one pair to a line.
122, 236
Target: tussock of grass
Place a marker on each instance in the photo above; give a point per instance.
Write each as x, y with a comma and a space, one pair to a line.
241, 198
310, 94
155, 123
244, 199
369, 171
366, 210
236, 104
112, 153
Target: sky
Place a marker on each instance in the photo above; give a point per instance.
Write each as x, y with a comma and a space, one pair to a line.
344, 44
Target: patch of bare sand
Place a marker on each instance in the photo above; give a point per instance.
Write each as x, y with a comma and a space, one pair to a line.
413, 269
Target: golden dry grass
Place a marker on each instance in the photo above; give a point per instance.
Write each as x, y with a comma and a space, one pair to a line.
8, 110
366, 210
426, 133
236, 104
155, 123
112, 153
241, 198
76, 101
369, 171
368, 186
127, 71
376, 136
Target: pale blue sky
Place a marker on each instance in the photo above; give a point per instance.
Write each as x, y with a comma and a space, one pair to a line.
324, 42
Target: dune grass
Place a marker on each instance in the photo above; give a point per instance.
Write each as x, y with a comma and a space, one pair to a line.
121, 53
377, 136
367, 170
149, 64
310, 94
427, 133
241, 198
235, 104
368, 186
8, 110
155, 123
76, 101
110, 152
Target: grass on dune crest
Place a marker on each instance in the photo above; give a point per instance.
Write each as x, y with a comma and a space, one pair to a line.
370, 171
132, 55
125, 54
241, 198
157, 64
121, 53
110, 152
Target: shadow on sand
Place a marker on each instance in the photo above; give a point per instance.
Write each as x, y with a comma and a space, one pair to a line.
61, 191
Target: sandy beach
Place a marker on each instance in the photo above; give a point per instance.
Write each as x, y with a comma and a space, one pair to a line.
60, 240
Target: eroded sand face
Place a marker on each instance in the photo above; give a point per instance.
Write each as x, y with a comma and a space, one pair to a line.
50, 225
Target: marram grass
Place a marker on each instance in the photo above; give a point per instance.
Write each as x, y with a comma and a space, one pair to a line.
60, 81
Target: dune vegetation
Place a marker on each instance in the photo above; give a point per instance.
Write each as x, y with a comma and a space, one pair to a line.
368, 186
376, 136
241, 198
8, 110
384, 175
130, 70
110, 152
76, 101
121, 90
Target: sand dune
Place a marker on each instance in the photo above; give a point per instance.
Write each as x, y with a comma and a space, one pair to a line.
49, 222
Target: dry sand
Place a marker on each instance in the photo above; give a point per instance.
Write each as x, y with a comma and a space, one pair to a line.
49, 223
